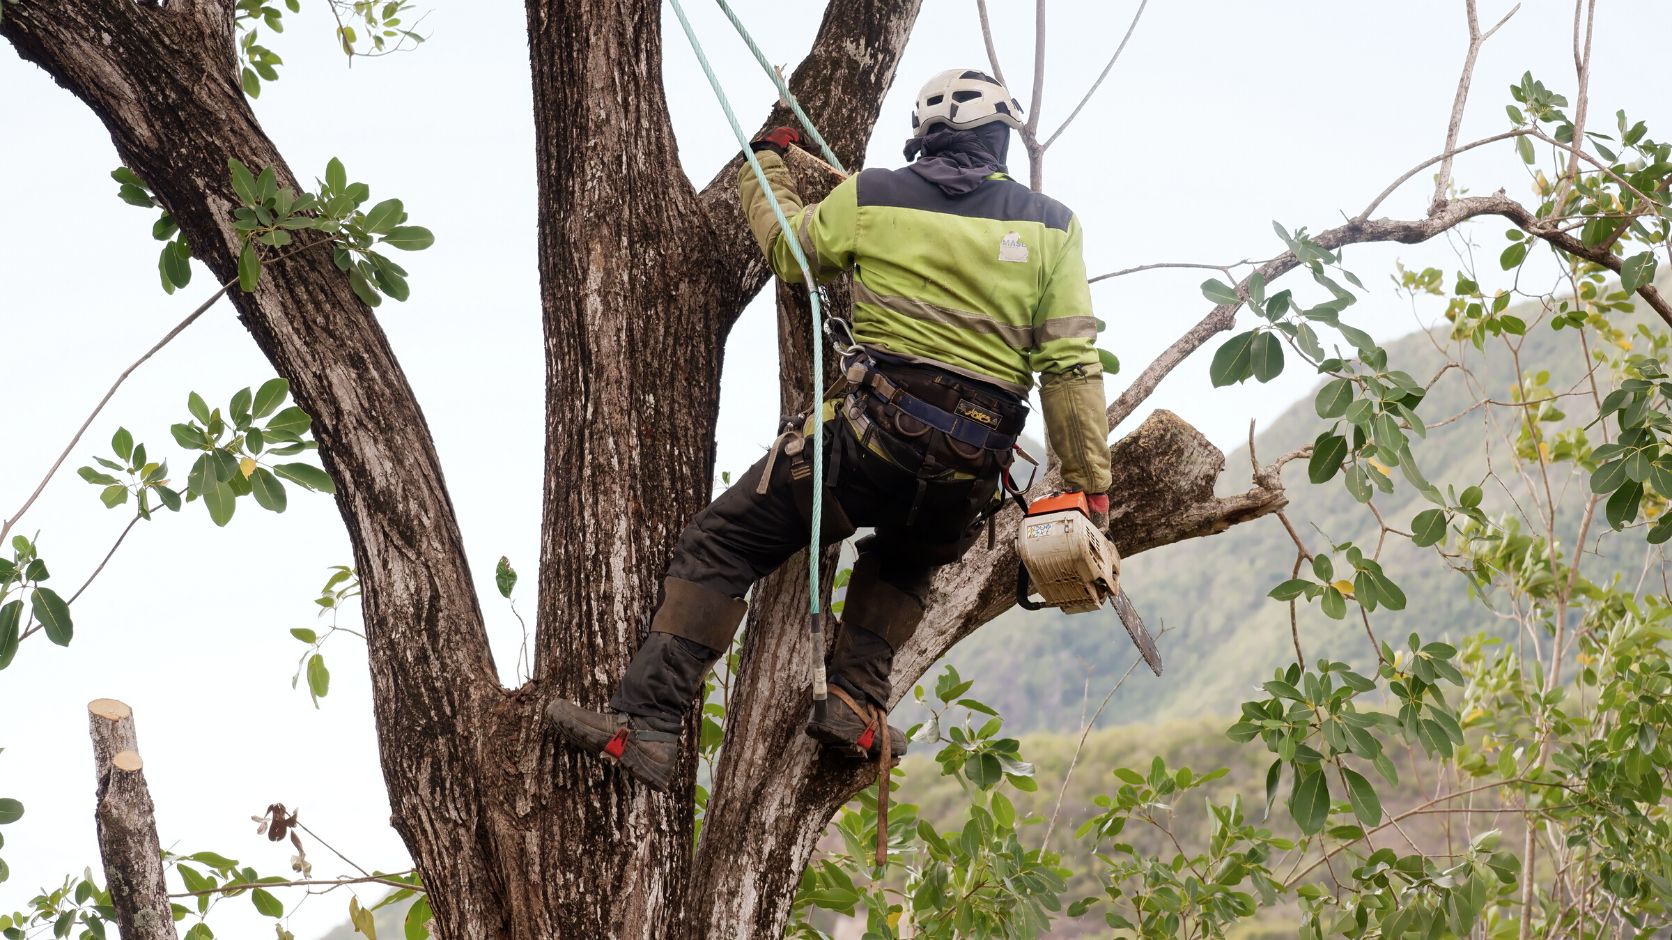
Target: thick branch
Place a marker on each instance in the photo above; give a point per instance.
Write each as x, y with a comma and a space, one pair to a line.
127, 826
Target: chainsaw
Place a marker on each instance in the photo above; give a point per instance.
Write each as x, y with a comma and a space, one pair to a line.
1074, 567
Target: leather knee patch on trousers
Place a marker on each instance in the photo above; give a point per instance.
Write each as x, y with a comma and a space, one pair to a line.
698, 614
875, 605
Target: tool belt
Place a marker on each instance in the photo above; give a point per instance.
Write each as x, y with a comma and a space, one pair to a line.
932, 418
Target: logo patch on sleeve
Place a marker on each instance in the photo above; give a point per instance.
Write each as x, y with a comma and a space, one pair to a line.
1012, 249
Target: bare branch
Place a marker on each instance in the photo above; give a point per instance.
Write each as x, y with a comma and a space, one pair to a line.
1447, 216
1476, 40
987, 37
190, 319
1100, 77
1038, 97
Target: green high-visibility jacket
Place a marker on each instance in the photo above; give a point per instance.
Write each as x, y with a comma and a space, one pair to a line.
990, 284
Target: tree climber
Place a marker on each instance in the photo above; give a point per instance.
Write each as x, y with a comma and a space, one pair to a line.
965, 284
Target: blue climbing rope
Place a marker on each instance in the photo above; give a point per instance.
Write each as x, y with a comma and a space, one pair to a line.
814, 605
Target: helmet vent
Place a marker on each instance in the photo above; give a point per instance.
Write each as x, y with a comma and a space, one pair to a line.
965, 95
981, 75
937, 99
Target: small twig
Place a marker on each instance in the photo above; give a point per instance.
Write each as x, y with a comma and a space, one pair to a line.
1085, 732
987, 37
36, 627
332, 849
188, 321
303, 883
1100, 77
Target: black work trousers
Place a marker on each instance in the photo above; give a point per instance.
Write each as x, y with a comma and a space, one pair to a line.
918, 525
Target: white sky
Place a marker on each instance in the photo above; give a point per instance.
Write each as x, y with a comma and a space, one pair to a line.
1221, 117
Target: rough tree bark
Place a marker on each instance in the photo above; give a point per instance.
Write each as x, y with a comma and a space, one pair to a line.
641, 278
127, 826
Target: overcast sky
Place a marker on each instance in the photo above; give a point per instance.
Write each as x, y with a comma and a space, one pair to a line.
1221, 117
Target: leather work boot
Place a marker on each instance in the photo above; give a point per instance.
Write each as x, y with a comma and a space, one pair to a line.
845, 731
647, 754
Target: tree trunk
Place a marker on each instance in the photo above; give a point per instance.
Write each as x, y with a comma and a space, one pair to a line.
127, 826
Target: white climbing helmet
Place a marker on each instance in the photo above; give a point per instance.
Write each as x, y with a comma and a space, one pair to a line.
962, 99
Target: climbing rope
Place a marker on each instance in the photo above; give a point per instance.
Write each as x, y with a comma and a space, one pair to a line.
876, 718
783, 89
814, 605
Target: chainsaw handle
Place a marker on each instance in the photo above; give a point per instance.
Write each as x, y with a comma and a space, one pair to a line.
1023, 590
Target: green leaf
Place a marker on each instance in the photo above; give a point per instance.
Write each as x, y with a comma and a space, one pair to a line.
170, 498
53, 614
264, 902
1267, 355
363, 288
416, 917
1513, 255
1637, 270
1428, 528
336, 177
384, 216
243, 183
1367, 806
1623, 505
304, 634
269, 492
292, 420
1309, 803
1334, 398
1233, 361
1334, 603
10, 811
1524, 147
249, 268
1327, 453
198, 407
1289, 590
95, 477
1111, 364
123, 443
409, 238
114, 496
269, 396
319, 678
11, 621
175, 264
504, 577
1609, 477
309, 476
220, 500
1219, 292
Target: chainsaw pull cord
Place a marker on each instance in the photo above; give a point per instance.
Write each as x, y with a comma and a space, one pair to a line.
815, 612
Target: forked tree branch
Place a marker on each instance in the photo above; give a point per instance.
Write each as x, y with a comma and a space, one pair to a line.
1476, 40
1107, 67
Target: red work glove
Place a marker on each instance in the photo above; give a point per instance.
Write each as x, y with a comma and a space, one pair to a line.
1098, 503
777, 140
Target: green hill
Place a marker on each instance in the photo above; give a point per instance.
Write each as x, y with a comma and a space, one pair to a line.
1225, 634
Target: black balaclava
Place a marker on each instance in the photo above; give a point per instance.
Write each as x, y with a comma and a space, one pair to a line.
959, 161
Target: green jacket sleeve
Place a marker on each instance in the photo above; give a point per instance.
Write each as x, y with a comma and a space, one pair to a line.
1070, 373
825, 230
